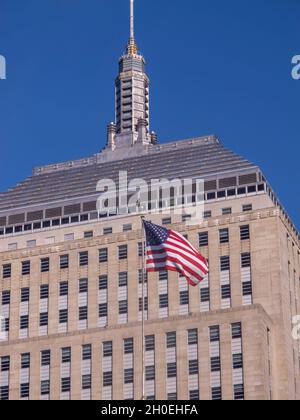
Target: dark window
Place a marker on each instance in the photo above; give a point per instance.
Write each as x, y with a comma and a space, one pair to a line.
226, 291
171, 340
107, 349
171, 370
163, 301
83, 258
123, 279
150, 373
172, 397
83, 313
163, 275
214, 333
103, 283
64, 262
25, 361
45, 387
236, 330
123, 307
25, 294
65, 384
241, 191
43, 319
127, 228
192, 337
167, 221
45, 357
107, 231
216, 394
88, 234
224, 236
239, 392
145, 304
24, 322
237, 361
247, 288
63, 316
24, 390
128, 376
207, 214
205, 295
44, 291
123, 252
87, 352
25, 268
245, 232
83, 286
5, 363
63, 288
211, 196
66, 355
247, 207
103, 255
203, 239
215, 364
150, 343
184, 298
194, 395
4, 393
221, 194
193, 367
246, 260
6, 297
45, 265
224, 263
231, 193
103, 310
86, 382
6, 269
226, 211
140, 249
252, 189
107, 379
128, 346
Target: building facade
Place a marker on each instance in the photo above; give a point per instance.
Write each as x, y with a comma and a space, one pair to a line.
72, 275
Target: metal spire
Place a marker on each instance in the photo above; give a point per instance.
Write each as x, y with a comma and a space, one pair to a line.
132, 47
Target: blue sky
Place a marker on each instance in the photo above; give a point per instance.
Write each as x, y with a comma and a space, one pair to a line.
216, 67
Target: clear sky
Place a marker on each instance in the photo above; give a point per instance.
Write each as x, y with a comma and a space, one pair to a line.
216, 67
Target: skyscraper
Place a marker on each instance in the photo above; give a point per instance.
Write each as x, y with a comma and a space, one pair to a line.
72, 273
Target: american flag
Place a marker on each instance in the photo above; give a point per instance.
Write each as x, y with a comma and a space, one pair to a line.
169, 250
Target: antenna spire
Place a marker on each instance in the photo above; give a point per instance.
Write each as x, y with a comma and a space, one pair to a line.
132, 47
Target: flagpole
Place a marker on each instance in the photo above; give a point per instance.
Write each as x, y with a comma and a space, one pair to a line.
143, 308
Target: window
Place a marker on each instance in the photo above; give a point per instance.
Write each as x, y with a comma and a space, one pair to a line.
172, 396
123, 279
107, 379
103, 255
247, 207
171, 340
236, 330
107, 349
141, 304
237, 361
225, 263
207, 214
239, 392
25, 268
5, 298
150, 373
211, 196
241, 191
83, 313
247, 288
127, 228
163, 301
103, 283
214, 333
224, 236
45, 265
66, 355
246, 260
69, 237
186, 218
5, 364
128, 376
45, 387
140, 249
226, 291
216, 394
24, 390
24, 322
107, 231
25, 361
83, 286
45, 357
6, 271
128, 346
86, 382
203, 239
226, 211
43, 319
192, 337
103, 310
167, 221
44, 291
171, 370
88, 234
25, 294
252, 189
215, 364
194, 395
163, 275
83, 258
205, 295
123, 307
65, 384
245, 232
193, 367
87, 352
63, 288
4, 393
63, 316
64, 262
123, 252
184, 298
150, 343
